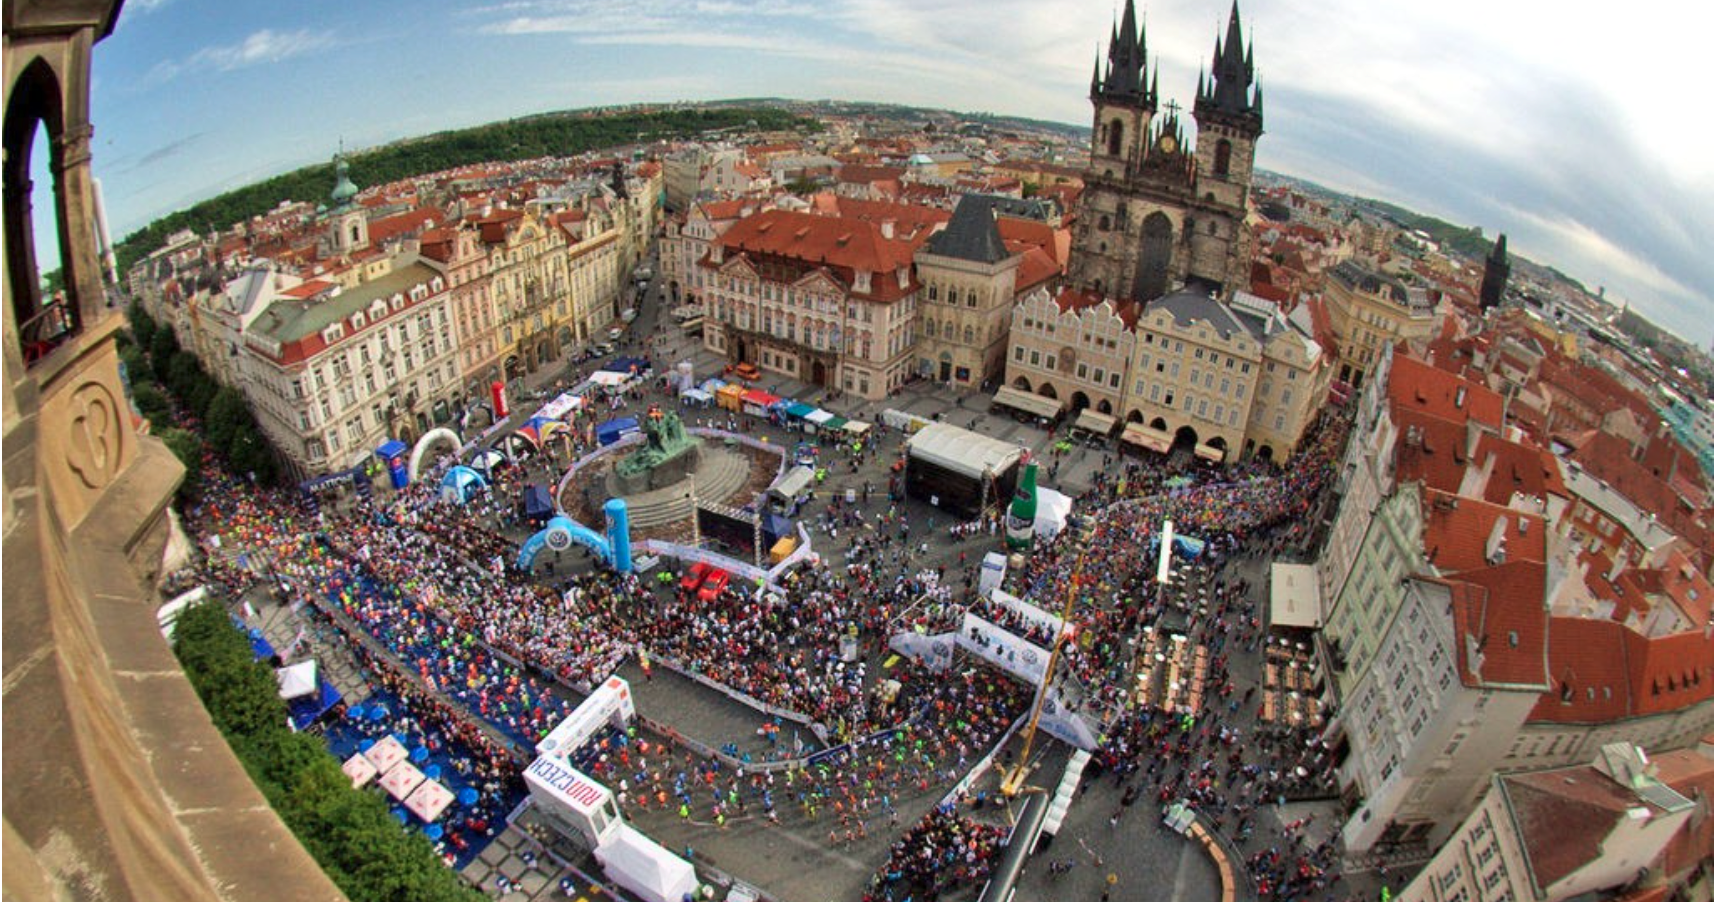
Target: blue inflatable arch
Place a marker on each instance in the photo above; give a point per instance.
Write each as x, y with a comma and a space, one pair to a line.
562, 533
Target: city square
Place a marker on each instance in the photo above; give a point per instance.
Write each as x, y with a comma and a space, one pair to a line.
833, 500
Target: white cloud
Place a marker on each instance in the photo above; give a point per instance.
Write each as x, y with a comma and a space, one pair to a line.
258, 48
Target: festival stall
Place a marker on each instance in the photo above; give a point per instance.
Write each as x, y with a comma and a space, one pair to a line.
757, 402
460, 484
728, 397
697, 397
395, 454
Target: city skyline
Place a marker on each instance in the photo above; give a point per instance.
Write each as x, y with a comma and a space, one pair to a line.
1552, 126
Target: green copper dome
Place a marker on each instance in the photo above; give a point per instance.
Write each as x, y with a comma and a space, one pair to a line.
344, 190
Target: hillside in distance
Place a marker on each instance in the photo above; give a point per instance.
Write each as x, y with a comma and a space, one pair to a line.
544, 135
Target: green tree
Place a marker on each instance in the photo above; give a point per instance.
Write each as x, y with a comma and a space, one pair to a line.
186, 446
142, 324
227, 416
251, 453
162, 346
151, 402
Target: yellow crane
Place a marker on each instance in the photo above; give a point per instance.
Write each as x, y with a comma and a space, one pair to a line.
1014, 778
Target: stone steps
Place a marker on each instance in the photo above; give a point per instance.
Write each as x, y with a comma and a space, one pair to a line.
720, 475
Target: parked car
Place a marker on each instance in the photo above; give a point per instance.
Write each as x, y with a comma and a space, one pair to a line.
695, 576
747, 371
713, 585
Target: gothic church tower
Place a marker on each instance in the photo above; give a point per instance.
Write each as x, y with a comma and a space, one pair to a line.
1156, 213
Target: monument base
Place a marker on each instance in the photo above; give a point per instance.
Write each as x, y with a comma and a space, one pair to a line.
661, 475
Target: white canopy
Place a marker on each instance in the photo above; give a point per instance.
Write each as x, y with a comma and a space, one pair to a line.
359, 769
1053, 510
401, 779
386, 753
1294, 596
1026, 402
609, 378
297, 680
962, 450
655, 874
819, 417
429, 800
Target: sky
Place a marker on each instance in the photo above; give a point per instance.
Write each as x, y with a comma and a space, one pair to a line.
1582, 130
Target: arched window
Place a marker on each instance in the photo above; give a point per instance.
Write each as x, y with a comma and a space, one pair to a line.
34, 131
948, 331
1220, 165
1115, 137
1103, 223
968, 335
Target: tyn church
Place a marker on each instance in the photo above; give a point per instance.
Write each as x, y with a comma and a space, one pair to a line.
1160, 211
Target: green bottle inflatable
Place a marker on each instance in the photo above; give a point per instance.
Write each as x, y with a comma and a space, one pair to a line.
1023, 512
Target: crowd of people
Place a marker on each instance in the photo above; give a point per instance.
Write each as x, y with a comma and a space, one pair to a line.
942, 850
429, 579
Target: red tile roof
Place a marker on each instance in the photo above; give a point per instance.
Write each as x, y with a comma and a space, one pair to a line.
1416, 385
1504, 623
844, 246
1518, 469
1430, 450
409, 222
1565, 815
1055, 242
1609, 459
1036, 268
1603, 671
1689, 773
308, 289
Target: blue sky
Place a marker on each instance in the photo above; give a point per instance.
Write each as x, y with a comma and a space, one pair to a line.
1584, 133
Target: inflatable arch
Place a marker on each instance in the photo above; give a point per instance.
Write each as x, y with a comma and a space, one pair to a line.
439, 434
562, 532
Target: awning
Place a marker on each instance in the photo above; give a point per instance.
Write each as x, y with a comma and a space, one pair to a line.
392, 448
819, 417
858, 428
834, 423
759, 398
962, 451
1093, 421
1294, 596
1036, 405
1206, 452
610, 378
799, 410
1147, 437
698, 394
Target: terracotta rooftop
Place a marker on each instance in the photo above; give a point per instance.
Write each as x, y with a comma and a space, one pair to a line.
1518, 469
1603, 671
845, 246
1416, 385
1565, 815
1504, 624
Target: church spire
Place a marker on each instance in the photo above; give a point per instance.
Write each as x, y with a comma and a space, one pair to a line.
1125, 79
1230, 92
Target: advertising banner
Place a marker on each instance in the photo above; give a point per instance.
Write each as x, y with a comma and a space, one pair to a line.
1002, 648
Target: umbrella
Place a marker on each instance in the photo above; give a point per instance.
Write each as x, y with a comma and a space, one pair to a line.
468, 796
433, 772
434, 832
420, 755
378, 714
401, 816
364, 745
356, 712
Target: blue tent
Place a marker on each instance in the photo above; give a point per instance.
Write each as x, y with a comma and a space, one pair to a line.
306, 709
538, 507
460, 483
775, 526
614, 430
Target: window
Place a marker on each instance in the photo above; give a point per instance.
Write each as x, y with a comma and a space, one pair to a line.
1115, 380
1019, 353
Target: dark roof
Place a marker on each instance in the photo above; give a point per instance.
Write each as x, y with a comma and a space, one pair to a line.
1188, 305
971, 234
1354, 276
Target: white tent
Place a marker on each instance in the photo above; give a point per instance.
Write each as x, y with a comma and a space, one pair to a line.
1294, 596
1053, 510
655, 874
297, 680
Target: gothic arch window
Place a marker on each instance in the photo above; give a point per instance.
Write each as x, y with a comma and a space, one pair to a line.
1220, 164
34, 126
1151, 278
1115, 137
948, 331
967, 335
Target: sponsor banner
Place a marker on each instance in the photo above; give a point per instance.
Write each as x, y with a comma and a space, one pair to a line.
556, 785
991, 643
1031, 613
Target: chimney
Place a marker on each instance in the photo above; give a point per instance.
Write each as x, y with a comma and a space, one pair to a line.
1494, 544
1461, 395
888, 227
